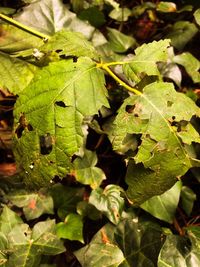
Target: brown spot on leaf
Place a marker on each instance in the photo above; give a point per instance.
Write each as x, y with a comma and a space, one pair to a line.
32, 204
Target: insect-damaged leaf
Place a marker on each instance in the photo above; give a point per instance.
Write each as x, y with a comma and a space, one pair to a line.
49, 115
165, 129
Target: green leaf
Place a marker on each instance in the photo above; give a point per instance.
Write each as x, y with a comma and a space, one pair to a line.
119, 42
85, 171
71, 228
15, 74
69, 44
33, 204
163, 154
66, 199
108, 201
187, 199
101, 251
15, 40
145, 59
191, 65
28, 246
8, 220
164, 206
93, 15
166, 7
197, 16
3, 250
178, 251
51, 16
45, 140
181, 33
120, 14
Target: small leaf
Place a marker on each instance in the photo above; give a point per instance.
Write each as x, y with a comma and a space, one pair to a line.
187, 199
166, 7
120, 14
181, 33
191, 65
101, 251
119, 42
19, 75
145, 59
108, 201
71, 228
8, 220
34, 204
69, 44
197, 16
164, 206
85, 171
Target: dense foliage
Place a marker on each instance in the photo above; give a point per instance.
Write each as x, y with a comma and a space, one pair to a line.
101, 99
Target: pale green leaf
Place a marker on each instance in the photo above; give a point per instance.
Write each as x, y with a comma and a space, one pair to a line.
119, 42
27, 247
187, 199
120, 14
108, 201
49, 117
191, 65
3, 250
178, 251
101, 251
69, 44
163, 155
197, 16
15, 40
33, 204
8, 220
164, 206
145, 59
85, 171
113, 3
71, 228
181, 33
15, 74
51, 16
166, 7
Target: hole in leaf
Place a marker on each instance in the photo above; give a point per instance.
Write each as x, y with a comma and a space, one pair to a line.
46, 144
169, 103
130, 108
23, 124
60, 104
173, 117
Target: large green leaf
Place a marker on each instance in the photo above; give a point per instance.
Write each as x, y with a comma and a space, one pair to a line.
164, 206
108, 201
69, 44
8, 220
71, 228
179, 251
101, 251
51, 16
15, 74
33, 204
145, 59
49, 117
85, 171
27, 246
166, 132
191, 65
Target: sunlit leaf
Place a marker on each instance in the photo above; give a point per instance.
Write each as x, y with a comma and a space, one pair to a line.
120, 14
71, 228
108, 201
197, 16
166, 7
164, 206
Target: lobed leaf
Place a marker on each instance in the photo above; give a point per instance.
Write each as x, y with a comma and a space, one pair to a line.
49, 117
166, 132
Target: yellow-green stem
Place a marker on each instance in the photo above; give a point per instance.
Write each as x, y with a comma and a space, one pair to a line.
24, 27
117, 79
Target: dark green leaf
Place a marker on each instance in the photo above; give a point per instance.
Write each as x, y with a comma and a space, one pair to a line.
71, 228
108, 201
85, 171
93, 15
164, 206
187, 199
163, 154
49, 117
